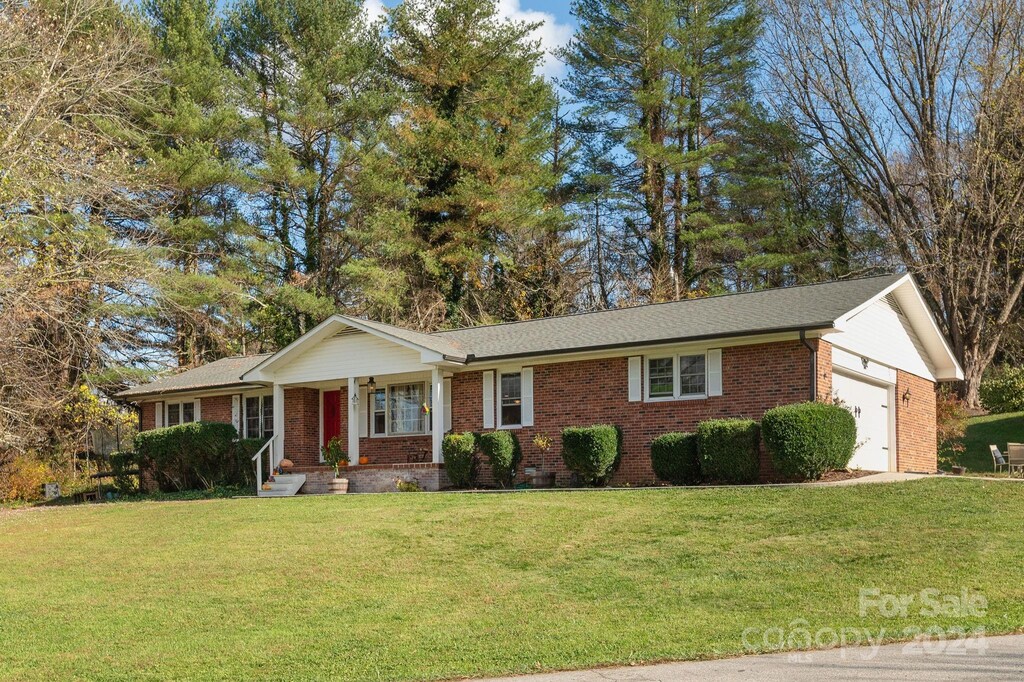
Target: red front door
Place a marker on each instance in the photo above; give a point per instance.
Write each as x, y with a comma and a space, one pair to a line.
332, 415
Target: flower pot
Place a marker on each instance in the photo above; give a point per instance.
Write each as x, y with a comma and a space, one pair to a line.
338, 486
544, 479
364, 460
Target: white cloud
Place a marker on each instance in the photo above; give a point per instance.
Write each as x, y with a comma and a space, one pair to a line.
374, 9
552, 35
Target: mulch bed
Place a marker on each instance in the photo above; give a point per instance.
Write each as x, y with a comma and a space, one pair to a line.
845, 475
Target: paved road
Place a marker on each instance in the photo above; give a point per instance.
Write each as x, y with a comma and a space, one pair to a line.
1003, 659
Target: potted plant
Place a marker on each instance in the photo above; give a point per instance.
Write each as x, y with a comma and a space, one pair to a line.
336, 456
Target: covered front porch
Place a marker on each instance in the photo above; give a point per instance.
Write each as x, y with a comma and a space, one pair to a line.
385, 399
379, 419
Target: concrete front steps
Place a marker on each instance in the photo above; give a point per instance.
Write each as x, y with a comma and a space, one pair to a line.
284, 485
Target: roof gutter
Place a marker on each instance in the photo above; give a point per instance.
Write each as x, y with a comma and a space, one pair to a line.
134, 397
813, 364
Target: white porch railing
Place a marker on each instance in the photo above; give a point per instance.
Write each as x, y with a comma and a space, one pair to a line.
258, 458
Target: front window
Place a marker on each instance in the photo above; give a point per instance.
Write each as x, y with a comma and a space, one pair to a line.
406, 409
181, 413
692, 375
259, 416
511, 399
659, 378
380, 421
680, 376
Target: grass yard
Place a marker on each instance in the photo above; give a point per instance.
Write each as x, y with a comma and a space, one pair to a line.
411, 587
991, 429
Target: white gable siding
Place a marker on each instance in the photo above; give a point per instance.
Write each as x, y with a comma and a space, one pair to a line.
882, 333
349, 355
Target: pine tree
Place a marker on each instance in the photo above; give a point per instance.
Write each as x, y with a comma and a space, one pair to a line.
710, 200
311, 80
468, 149
192, 128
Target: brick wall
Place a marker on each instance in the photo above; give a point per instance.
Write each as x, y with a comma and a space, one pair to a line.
824, 370
148, 412
915, 424
302, 426
216, 409
754, 379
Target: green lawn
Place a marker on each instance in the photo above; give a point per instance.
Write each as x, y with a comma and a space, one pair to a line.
992, 429
408, 587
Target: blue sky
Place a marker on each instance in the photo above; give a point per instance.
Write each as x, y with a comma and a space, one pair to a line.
557, 26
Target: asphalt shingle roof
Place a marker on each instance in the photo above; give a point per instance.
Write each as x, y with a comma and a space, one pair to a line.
812, 306
790, 308
223, 372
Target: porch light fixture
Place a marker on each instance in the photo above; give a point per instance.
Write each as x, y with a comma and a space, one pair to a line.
371, 385
906, 397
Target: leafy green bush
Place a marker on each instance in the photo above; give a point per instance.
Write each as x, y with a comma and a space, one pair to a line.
501, 448
191, 456
674, 458
124, 467
591, 451
728, 450
334, 455
807, 439
459, 450
1002, 389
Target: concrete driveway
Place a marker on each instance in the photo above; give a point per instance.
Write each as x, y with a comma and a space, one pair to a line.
1002, 659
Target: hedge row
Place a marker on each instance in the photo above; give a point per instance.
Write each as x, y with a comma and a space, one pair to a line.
199, 455
805, 440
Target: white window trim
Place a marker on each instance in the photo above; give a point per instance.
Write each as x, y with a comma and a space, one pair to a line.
371, 431
195, 411
262, 396
645, 378
497, 396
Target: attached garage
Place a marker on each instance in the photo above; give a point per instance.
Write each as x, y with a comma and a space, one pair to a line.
871, 404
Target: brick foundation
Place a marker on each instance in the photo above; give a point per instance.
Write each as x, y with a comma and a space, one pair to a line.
375, 478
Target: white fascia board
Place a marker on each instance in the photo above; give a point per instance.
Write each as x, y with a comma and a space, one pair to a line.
264, 371
909, 296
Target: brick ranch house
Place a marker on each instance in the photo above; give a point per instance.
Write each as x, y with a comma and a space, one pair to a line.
651, 369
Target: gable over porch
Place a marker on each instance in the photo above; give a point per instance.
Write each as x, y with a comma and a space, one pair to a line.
387, 396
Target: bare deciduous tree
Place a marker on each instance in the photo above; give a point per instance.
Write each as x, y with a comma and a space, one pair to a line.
918, 104
71, 74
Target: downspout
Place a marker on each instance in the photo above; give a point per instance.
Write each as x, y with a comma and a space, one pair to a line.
814, 364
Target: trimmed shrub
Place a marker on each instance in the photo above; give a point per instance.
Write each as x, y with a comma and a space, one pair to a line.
591, 452
460, 461
674, 458
728, 450
807, 439
191, 456
1002, 389
501, 448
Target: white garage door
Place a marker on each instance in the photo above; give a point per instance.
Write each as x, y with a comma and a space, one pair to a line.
870, 406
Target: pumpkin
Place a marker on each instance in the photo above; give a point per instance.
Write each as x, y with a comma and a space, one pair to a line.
364, 460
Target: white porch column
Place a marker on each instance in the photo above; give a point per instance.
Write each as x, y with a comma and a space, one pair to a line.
437, 411
278, 447
353, 421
